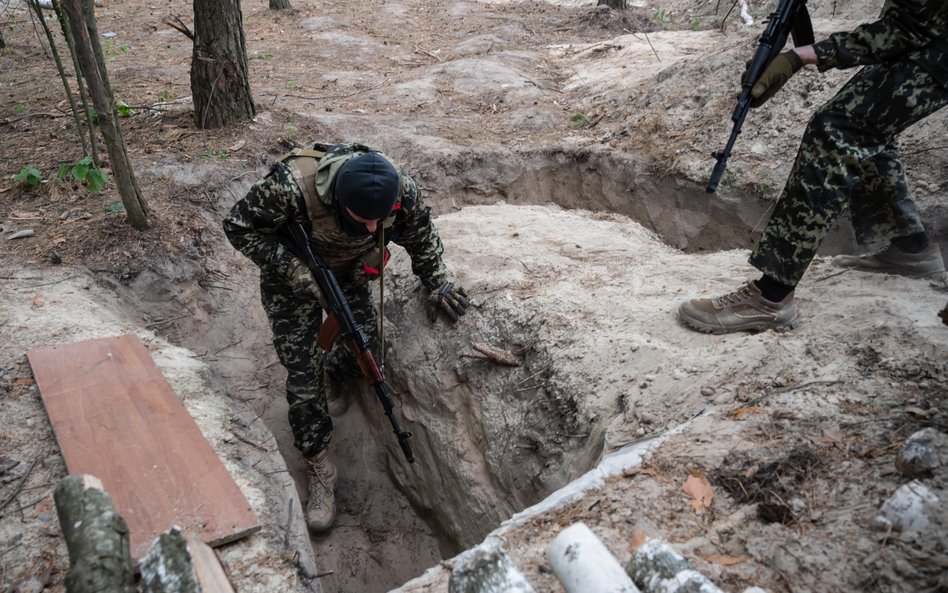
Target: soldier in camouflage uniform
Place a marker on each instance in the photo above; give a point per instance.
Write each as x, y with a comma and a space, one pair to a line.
847, 157
350, 198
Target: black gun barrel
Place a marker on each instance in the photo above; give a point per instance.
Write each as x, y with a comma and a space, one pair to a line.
780, 23
351, 333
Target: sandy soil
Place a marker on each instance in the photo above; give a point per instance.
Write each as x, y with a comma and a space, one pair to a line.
530, 104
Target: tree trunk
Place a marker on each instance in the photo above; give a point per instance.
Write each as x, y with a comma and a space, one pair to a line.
96, 537
219, 82
614, 4
2, 43
81, 21
280, 4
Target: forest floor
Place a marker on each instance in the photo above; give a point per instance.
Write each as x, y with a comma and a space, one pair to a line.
461, 92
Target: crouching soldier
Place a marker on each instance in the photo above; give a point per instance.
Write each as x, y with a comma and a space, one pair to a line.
353, 201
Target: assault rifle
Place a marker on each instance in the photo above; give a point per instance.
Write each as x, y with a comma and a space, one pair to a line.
340, 321
790, 18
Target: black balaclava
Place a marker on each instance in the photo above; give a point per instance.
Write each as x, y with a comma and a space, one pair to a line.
368, 185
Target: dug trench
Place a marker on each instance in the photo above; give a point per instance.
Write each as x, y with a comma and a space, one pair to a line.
490, 439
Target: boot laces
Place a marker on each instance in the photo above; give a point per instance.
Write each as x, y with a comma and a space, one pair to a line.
732, 298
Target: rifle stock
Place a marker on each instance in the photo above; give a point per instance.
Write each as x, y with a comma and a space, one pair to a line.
790, 17
341, 322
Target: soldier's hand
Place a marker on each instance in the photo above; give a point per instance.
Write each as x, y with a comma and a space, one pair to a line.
774, 76
301, 279
449, 299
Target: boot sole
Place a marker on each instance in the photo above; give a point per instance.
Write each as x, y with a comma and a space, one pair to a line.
707, 328
933, 274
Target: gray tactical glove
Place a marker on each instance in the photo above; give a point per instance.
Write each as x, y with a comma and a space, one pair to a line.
774, 76
450, 299
301, 280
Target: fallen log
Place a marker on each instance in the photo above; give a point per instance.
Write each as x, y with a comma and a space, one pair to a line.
487, 569
657, 568
96, 537
178, 563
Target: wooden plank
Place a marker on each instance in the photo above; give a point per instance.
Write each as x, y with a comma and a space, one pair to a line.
116, 417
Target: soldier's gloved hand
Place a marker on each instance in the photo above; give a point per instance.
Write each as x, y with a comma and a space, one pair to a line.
774, 76
301, 279
450, 299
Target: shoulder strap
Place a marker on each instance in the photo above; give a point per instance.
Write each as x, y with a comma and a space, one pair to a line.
302, 163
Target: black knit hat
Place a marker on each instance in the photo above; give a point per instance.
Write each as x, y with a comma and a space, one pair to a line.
367, 185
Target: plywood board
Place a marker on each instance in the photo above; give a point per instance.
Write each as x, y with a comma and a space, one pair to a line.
117, 418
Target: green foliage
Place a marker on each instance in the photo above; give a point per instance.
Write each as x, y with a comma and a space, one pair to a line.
216, 154
30, 176
661, 17
165, 96
20, 109
290, 130
694, 24
292, 84
578, 120
123, 109
85, 171
261, 55
115, 208
112, 51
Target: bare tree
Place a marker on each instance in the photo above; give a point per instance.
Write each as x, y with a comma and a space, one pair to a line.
220, 85
280, 4
80, 18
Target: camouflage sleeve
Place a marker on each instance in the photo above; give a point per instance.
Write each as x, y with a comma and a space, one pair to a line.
414, 231
905, 26
252, 225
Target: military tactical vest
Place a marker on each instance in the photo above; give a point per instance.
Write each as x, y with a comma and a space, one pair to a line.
314, 171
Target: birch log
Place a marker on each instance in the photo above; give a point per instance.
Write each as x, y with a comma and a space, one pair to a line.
657, 568
179, 563
487, 569
96, 537
583, 564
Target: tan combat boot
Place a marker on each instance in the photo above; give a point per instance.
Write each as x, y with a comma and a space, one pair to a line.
892, 260
321, 506
745, 309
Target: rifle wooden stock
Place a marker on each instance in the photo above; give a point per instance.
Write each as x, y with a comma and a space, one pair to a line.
328, 332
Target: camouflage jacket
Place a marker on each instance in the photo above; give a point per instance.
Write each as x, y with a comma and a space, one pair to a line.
913, 29
256, 225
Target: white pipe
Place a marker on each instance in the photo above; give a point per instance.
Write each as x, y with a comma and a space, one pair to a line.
583, 564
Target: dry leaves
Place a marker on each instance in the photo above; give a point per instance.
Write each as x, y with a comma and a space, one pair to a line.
741, 412
637, 540
700, 490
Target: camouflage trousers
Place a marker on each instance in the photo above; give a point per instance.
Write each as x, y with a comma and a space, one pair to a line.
295, 321
848, 157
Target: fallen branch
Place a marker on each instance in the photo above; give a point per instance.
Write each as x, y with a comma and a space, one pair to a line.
499, 356
96, 537
177, 563
19, 487
11, 120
